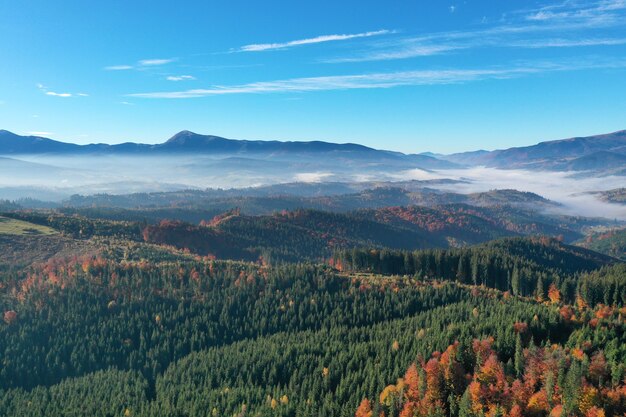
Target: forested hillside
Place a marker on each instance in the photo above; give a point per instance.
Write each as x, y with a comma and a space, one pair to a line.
305, 234
524, 267
307, 313
611, 242
332, 196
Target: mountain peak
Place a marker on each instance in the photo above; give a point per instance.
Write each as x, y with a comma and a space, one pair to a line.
181, 135
185, 133
186, 137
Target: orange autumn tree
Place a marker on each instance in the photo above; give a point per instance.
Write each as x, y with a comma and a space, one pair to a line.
554, 294
428, 385
489, 386
555, 382
365, 409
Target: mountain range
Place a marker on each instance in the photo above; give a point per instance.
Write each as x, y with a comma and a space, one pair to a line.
606, 153
186, 142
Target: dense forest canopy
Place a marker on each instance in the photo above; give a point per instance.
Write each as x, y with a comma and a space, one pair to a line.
307, 313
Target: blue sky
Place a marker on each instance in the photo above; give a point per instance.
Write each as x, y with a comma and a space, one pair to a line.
413, 76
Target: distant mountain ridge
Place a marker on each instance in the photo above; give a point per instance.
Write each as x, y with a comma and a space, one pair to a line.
600, 152
191, 140
11, 143
186, 142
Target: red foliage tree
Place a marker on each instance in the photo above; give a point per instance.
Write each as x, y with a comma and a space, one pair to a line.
10, 316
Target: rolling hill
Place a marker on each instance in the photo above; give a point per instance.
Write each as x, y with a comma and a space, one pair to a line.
611, 242
306, 234
617, 195
331, 196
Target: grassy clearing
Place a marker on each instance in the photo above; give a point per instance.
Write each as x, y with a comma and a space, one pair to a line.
20, 228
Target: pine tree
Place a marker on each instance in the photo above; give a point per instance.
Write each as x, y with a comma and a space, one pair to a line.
540, 290
475, 269
461, 271
549, 385
453, 405
465, 405
571, 392
515, 281
519, 356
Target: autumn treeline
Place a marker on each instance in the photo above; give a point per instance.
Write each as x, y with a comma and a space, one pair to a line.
538, 381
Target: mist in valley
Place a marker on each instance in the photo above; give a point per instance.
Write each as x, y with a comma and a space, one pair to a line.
571, 189
56, 178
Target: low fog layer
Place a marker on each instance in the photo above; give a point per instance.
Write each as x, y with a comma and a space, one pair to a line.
67, 175
569, 189
56, 178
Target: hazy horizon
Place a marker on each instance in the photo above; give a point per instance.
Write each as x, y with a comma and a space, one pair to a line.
87, 175
166, 137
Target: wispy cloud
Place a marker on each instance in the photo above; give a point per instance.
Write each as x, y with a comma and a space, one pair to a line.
258, 47
118, 67
574, 23
52, 93
570, 43
381, 80
154, 62
612, 5
590, 12
405, 51
48, 92
180, 78
143, 63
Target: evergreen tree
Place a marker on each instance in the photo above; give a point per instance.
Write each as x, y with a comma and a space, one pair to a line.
515, 281
519, 356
